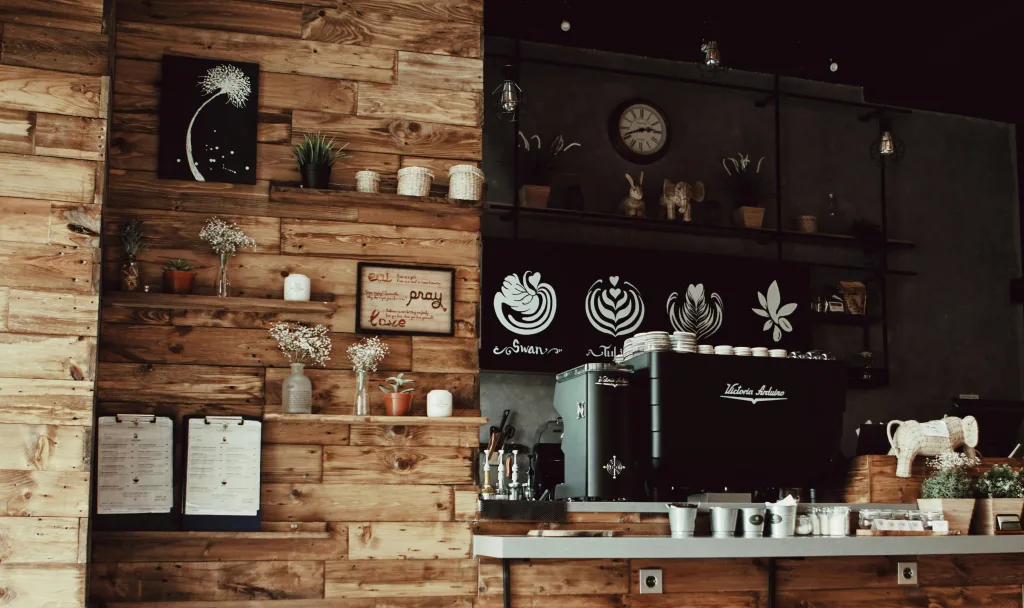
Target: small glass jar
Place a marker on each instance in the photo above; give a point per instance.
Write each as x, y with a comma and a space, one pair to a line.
885, 514
931, 516
901, 515
812, 513
839, 521
804, 527
865, 517
824, 513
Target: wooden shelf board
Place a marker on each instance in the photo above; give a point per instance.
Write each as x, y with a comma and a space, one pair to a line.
384, 420
170, 301
283, 193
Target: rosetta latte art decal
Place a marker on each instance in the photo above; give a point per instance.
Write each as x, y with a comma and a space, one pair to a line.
532, 304
695, 314
613, 309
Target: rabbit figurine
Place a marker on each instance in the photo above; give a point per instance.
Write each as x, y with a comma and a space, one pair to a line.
633, 205
678, 197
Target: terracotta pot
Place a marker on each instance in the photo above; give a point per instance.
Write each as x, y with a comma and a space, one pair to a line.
987, 509
179, 281
749, 217
535, 197
397, 404
958, 511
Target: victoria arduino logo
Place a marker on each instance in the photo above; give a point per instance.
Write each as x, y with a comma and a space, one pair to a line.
742, 393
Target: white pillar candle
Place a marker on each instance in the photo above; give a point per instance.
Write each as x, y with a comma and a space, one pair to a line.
439, 403
296, 288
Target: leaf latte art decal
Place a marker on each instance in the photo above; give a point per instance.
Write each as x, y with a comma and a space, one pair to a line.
696, 314
532, 304
614, 310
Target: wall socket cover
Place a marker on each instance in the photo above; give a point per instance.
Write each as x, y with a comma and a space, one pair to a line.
906, 573
650, 580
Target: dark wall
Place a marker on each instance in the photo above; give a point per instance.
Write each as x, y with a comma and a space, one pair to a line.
952, 329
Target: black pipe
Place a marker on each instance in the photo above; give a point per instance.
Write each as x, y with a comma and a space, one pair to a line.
506, 583
771, 582
778, 170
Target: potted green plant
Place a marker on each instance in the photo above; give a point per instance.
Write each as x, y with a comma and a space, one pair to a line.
537, 164
749, 190
133, 243
950, 489
397, 400
179, 276
1000, 491
316, 155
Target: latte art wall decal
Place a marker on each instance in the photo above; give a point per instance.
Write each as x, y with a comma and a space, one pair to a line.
614, 309
532, 304
695, 314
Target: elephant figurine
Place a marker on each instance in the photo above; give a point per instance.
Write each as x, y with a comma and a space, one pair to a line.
913, 439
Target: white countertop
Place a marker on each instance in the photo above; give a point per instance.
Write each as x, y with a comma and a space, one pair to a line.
660, 547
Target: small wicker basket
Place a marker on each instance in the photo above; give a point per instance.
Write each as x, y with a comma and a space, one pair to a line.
367, 181
414, 181
808, 223
465, 182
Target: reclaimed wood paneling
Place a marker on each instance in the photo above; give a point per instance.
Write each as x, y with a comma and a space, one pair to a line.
44, 493
39, 177
336, 205
223, 581
461, 11
419, 103
39, 540
384, 243
24, 220
557, 577
47, 357
348, 502
71, 137
334, 390
43, 585
112, 547
67, 51
932, 597
961, 570
43, 448
5, 296
80, 15
392, 136
449, 540
323, 59
177, 230
692, 575
386, 29
295, 92
361, 464
564, 601
406, 578
75, 225
837, 573
701, 600
148, 382
282, 463
49, 267
129, 186
467, 503
396, 602
440, 72
431, 354
291, 431
212, 311
17, 131
35, 401
52, 313
414, 436
225, 15
38, 90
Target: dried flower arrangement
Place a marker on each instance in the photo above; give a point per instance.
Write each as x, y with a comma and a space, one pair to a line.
539, 161
367, 354
133, 238
952, 478
302, 343
395, 384
224, 238
1001, 481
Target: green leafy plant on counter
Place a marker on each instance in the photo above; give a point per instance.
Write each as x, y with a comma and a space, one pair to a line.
951, 477
395, 384
1001, 481
180, 265
316, 149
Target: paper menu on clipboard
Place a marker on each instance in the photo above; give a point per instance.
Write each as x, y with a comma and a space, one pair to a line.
135, 468
223, 466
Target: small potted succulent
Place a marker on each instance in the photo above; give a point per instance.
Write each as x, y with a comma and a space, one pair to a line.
316, 155
748, 188
397, 400
950, 489
1000, 491
179, 276
132, 243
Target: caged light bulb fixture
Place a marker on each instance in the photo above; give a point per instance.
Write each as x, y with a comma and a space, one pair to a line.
508, 96
712, 62
888, 146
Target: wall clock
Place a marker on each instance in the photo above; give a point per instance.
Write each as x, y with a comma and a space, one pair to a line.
639, 131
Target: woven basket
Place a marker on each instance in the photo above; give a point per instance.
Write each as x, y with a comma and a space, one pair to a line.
367, 181
808, 223
414, 181
465, 182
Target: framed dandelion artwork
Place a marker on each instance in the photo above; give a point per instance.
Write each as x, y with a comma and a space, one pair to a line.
208, 115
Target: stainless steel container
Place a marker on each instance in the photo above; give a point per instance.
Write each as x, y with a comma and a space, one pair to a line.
723, 522
783, 518
682, 519
753, 522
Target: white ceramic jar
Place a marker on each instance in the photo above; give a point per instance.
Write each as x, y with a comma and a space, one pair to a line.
296, 288
439, 403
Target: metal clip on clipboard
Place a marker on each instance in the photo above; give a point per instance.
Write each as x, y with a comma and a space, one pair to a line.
135, 419
224, 419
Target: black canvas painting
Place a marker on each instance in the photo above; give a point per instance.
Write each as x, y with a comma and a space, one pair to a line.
208, 115
549, 307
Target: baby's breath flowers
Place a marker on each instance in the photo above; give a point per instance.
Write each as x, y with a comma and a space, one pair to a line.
303, 344
367, 354
224, 238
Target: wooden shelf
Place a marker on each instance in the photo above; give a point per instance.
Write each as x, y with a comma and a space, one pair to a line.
170, 301
383, 420
285, 193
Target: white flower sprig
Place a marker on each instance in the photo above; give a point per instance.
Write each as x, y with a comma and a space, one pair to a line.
303, 344
224, 238
367, 354
953, 461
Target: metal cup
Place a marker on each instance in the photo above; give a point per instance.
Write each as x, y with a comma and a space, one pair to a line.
783, 518
723, 522
682, 519
753, 522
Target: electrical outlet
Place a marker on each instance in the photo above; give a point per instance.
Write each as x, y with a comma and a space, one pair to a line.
906, 573
650, 580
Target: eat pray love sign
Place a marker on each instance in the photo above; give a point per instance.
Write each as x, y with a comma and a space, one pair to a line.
413, 300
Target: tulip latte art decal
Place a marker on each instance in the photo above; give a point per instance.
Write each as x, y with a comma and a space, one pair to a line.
531, 304
613, 308
695, 314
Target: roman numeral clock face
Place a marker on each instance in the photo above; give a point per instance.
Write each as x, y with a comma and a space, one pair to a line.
639, 131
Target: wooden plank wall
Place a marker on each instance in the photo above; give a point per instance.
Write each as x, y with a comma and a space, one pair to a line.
54, 109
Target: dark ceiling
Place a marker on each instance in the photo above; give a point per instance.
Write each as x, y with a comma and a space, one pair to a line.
963, 61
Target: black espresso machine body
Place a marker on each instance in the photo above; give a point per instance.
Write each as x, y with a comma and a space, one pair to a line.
593, 401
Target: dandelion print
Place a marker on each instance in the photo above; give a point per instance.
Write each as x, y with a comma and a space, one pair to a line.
224, 79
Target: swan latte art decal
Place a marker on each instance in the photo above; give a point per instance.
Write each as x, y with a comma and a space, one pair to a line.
531, 304
614, 309
696, 315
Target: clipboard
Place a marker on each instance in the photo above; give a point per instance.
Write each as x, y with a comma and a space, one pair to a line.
157, 521
203, 521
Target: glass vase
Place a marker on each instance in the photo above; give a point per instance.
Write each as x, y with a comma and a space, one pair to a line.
223, 284
130, 275
297, 392
362, 397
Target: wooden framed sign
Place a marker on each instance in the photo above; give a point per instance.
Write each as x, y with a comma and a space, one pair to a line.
411, 300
